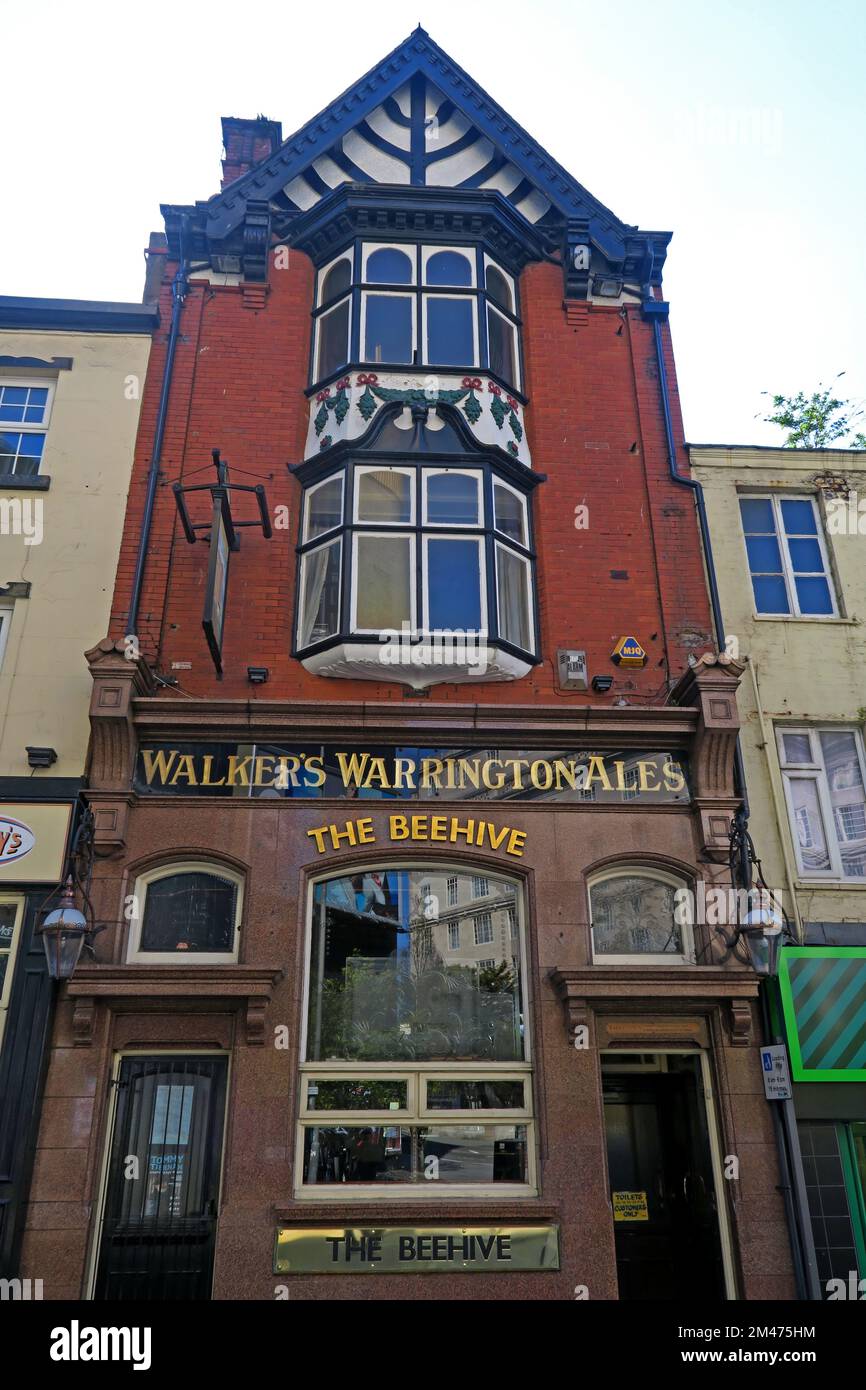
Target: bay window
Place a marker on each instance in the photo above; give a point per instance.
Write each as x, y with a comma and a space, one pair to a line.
405, 304
415, 548
405, 1022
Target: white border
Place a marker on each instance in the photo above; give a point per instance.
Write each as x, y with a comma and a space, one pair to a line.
168, 870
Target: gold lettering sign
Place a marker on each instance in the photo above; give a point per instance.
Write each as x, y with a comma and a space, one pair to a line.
485, 775
416, 1250
444, 829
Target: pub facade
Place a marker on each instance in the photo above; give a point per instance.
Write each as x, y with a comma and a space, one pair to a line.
411, 761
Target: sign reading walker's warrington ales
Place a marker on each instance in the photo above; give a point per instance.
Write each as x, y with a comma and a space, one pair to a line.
395, 773
417, 1250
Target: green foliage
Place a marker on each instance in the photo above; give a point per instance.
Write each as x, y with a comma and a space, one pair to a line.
818, 421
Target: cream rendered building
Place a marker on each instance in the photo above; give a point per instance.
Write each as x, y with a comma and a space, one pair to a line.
788, 535
71, 380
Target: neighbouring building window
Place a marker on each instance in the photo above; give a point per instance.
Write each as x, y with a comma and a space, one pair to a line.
5, 624
405, 304
787, 555
11, 917
824, 772
416, 549
404, 1022
483, 926
186, 912
480, 887
636, 916
452, 892
24, 411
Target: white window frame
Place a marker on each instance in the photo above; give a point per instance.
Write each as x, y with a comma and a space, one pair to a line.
13, 426
409, 249
515, 349
815, 771
395, 534
405, 293
521, 497
528, 598
484, 922
454, 936
482, 578
19, 903
489, 261
335, 307
311, 491
468, 255
325, 271
639, 870
451, 893
427, 474
480, 892
384, 467
444, 293
168, 870
417, 1075
775, 499
302, 587
7, 611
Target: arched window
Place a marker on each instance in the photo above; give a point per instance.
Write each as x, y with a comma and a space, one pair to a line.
188, 912
410, 304
415, 1072
640, 914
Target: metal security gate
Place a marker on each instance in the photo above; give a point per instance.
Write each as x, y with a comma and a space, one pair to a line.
159, 1219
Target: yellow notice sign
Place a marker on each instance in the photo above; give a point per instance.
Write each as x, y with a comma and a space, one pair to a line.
630, 1206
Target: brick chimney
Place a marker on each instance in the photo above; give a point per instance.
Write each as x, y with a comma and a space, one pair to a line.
247, 142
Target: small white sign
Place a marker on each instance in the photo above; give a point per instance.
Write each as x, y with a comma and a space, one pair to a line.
777, 1076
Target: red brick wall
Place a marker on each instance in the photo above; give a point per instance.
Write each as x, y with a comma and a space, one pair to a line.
595, 429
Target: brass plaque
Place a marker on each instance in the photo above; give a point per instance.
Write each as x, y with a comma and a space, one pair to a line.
416, 1249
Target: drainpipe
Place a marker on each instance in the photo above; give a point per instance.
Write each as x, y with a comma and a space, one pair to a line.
179, 289
793, 1185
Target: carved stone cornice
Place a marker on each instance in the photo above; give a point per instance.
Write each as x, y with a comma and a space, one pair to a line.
657, 989
119, 677
711, 687
122, 987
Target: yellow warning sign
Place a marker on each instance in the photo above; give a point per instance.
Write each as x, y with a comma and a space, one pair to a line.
628, 652
630, 1206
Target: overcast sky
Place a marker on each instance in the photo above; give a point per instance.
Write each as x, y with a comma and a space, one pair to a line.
738, 125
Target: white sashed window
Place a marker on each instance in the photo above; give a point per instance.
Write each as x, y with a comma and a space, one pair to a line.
25, 408
636, 917
824, 772
190, 911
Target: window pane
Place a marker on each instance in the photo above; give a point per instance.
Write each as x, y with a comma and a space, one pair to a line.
764, 555
384, 495
633, 915
813, 595
450, 339
757, 514
500, 346
475, 1095
770, 594
189, 912
448, 268
383, 582
808, 823
510, 513
512, 588
806, 556
388, 332
796, 748
337, 281
356, 1095
847, 798
799, 518
453, 584
334, 339
387, 985
498, 288
324, 508
8, 913
452, 499
320, 590
471, 1154
389, 266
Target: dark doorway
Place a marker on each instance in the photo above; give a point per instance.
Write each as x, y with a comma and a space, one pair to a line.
159, 1222
666, 1219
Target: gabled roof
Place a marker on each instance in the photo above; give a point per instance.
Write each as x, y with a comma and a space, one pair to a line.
417, 119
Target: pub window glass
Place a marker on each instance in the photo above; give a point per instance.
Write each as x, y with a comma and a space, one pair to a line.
187, 912
636, 915
388, 985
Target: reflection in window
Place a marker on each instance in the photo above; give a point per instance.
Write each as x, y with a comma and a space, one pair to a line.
189, 912
320, 588
824, 784
452, 499
324, 507
634, 914
463, 1154
384, 495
